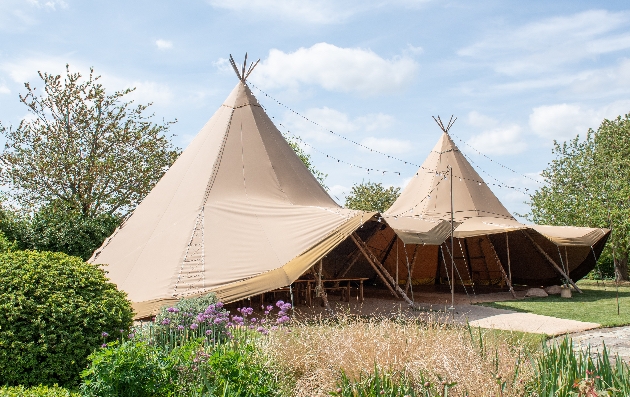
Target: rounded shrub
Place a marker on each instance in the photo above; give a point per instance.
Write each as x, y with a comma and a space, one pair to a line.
55, 310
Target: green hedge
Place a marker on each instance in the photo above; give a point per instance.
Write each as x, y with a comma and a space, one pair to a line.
53, 311
36, 391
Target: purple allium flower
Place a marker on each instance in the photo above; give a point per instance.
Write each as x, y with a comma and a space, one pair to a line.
131, 335
269, 308
104, 334
104, 345
279, 303
219, 320
208, 332
172, 310
286, 307
253, 319
274, 328
262, 307
219, 305
194, 326
166, 321
266, 312
283, 319
263, 321
252, 326
180, 327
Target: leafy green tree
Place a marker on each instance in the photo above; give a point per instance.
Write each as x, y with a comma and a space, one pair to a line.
306, 159
371, 196
91, 151
588, 184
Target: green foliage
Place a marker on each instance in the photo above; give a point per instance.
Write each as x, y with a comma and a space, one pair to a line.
389, 384
371, 196
91, 151
241, 369
53, 309
306, 159
133, 369
6, 245
138, 369
561, 371
60, 229
588, 184
36, 391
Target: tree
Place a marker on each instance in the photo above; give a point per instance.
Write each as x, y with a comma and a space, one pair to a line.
588, 184
89, 151
306, 159
371, 196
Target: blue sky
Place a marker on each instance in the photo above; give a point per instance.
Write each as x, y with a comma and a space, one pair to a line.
517, 75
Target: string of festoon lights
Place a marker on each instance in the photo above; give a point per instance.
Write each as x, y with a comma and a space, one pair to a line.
494, 161
369, 169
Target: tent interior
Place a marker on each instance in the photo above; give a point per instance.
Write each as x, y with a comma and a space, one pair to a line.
485, 263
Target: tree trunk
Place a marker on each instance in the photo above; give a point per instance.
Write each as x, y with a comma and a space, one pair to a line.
621, 267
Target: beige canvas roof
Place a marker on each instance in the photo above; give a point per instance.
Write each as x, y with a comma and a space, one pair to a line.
477, 211
238, 213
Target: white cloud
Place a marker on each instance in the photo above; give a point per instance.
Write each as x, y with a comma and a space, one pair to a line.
4, 89
387, 145
25, 70
564, 121
150, 91
310, 11
333, 120
499, 141
164, 44
335, 69
477, 119
551, 43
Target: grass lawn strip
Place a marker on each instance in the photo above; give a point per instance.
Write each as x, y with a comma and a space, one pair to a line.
598, 304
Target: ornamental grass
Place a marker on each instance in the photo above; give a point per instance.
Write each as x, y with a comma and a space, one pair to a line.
475, 362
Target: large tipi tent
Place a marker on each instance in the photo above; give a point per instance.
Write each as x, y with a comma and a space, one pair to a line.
237, 214
490, 246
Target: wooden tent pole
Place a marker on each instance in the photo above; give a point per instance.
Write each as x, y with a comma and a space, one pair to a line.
505, 277
356, 240
376, 264
507, 244
555, 265
411, 268
320, 285
357, 255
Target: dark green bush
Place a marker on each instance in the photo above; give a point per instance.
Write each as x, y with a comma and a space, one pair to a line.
60, 229
53, 311
36, 391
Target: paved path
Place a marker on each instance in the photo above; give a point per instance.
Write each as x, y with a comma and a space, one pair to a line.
488, 317
617, 340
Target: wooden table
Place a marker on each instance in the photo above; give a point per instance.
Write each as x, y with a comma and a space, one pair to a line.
308, 286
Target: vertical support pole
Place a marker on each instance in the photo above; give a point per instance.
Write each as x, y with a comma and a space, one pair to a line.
320, 286
452, 246
507, 244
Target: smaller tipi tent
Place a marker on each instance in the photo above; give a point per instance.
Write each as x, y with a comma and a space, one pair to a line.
237, 214
490, 245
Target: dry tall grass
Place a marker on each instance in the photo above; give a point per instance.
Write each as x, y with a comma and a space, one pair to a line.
315, 353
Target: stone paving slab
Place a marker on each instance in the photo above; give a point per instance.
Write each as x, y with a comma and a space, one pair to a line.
617, 341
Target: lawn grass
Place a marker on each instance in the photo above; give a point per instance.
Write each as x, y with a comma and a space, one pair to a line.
598, 304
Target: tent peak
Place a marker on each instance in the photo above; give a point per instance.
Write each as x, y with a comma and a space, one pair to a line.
244, 72
438, 120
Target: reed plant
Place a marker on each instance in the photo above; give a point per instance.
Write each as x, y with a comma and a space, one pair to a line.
563, 371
